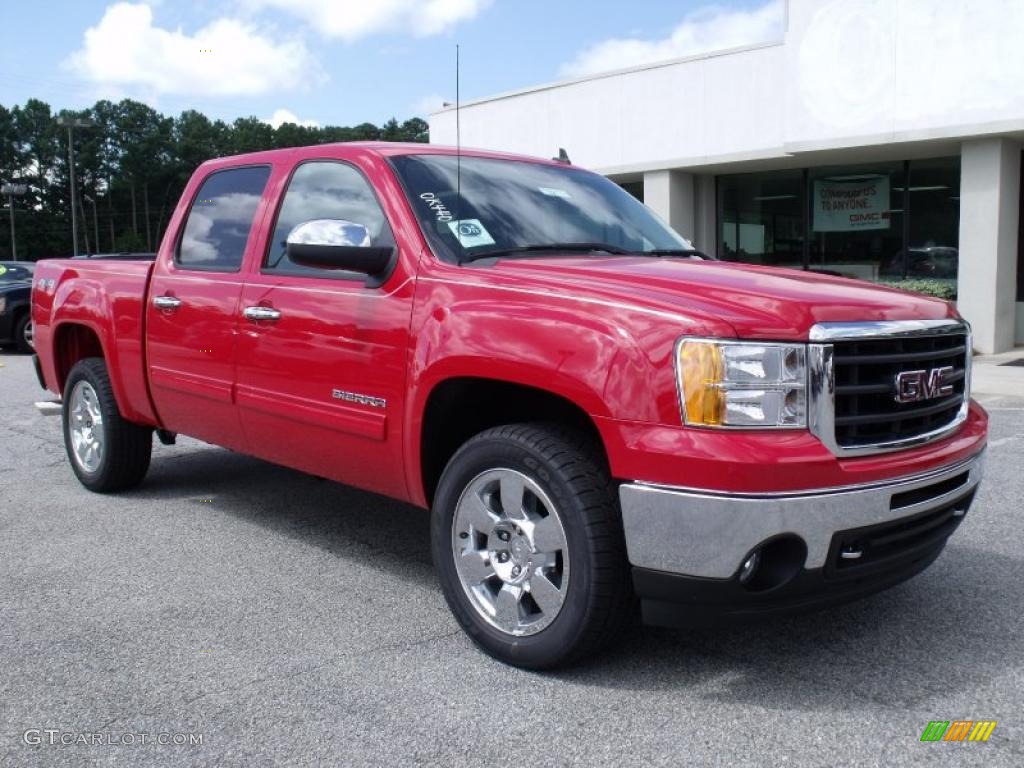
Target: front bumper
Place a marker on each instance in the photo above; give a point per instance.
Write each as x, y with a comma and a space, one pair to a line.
819, 546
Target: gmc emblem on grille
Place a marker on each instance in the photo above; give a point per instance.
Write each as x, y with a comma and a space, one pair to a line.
914, 386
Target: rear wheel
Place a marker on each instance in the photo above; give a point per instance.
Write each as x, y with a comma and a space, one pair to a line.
527, 541
106, 452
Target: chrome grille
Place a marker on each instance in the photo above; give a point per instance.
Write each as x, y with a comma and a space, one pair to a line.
855, 410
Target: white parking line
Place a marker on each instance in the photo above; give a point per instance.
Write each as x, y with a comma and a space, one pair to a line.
1002, 441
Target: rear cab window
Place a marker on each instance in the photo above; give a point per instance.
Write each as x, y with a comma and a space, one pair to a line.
220, 219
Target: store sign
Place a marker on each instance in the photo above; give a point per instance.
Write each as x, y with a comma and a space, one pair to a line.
841, 206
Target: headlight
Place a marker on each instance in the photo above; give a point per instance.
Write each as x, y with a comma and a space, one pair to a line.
742, 384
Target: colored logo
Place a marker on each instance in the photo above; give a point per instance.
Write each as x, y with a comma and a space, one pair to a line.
469, 229
958, 730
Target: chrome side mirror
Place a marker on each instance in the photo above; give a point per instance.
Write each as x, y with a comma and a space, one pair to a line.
342, 245
332, 232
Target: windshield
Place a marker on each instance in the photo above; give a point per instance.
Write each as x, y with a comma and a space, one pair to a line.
519, 206
15, 273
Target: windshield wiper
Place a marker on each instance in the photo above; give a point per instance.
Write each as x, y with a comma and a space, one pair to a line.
542, 248
691, 252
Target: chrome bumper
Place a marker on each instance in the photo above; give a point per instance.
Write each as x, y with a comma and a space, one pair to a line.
705, 534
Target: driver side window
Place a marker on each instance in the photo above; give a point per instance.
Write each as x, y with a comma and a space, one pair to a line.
325, 190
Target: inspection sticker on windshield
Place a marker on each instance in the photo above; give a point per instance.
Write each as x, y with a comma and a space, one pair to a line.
552, 192
471, 233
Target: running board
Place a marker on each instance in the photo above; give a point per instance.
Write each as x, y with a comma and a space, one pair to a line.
49, 407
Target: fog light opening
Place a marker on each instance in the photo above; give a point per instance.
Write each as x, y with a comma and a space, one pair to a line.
773, 563
749, 566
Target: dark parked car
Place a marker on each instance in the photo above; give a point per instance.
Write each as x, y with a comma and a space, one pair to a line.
15, 295
930, 261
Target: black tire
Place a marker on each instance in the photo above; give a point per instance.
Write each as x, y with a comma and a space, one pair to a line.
127, 447
20, 337
569, 469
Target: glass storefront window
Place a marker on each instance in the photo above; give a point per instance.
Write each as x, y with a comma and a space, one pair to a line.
761, 218
856, 219
635, 188
892, 222
1020, 258
933, 234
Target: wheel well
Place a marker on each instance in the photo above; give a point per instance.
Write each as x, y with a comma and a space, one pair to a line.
71, 344
459, 408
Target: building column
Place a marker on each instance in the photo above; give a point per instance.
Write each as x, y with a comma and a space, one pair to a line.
687, 202
705, 230
989, 217
670, 194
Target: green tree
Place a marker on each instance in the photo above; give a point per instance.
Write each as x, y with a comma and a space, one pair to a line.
250, 134
197, 139
131, 167
292, 135
415, 130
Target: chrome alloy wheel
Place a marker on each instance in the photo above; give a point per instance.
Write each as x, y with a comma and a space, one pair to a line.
28, 335
86, 427
510, 552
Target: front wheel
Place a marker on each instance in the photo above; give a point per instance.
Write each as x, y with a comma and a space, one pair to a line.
106, 452
527, 540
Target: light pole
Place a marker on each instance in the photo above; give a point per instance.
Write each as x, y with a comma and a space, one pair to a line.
95, 221
11, 190
71, 123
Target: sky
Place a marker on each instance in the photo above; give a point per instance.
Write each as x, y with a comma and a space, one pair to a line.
343, 62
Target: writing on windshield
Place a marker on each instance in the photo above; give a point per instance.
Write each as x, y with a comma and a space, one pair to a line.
518, 207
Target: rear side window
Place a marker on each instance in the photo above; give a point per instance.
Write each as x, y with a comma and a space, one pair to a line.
221, 217
326, 190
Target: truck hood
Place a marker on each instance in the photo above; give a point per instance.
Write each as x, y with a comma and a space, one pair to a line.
758, 302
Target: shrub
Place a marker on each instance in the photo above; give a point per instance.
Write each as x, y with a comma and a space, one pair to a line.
940, 289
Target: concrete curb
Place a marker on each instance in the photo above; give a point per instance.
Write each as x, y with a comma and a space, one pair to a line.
991, 376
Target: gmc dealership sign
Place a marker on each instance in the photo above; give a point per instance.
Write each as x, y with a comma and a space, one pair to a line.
842, 205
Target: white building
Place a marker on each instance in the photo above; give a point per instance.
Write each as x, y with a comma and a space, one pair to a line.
878, 138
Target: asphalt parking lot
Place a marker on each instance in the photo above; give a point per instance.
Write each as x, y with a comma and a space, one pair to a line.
290, 620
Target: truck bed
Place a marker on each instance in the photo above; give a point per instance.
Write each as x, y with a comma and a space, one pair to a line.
107, 297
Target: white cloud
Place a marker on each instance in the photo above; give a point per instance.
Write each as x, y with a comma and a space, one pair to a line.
428, 105
282, 116
713, 28
125, 53
351, 20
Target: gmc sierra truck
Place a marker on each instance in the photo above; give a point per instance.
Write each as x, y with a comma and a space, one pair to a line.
596, 414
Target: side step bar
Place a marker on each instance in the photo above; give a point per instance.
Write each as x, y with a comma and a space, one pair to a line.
55, 408
49, 407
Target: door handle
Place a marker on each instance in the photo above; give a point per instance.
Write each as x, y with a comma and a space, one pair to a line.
166, 302
261, 314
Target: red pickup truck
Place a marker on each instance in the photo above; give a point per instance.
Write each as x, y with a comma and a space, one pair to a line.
593, 411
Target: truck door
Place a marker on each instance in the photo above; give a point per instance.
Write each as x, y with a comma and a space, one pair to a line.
321, 354
192, 313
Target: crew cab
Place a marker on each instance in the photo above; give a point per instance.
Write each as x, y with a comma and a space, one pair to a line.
597, 415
